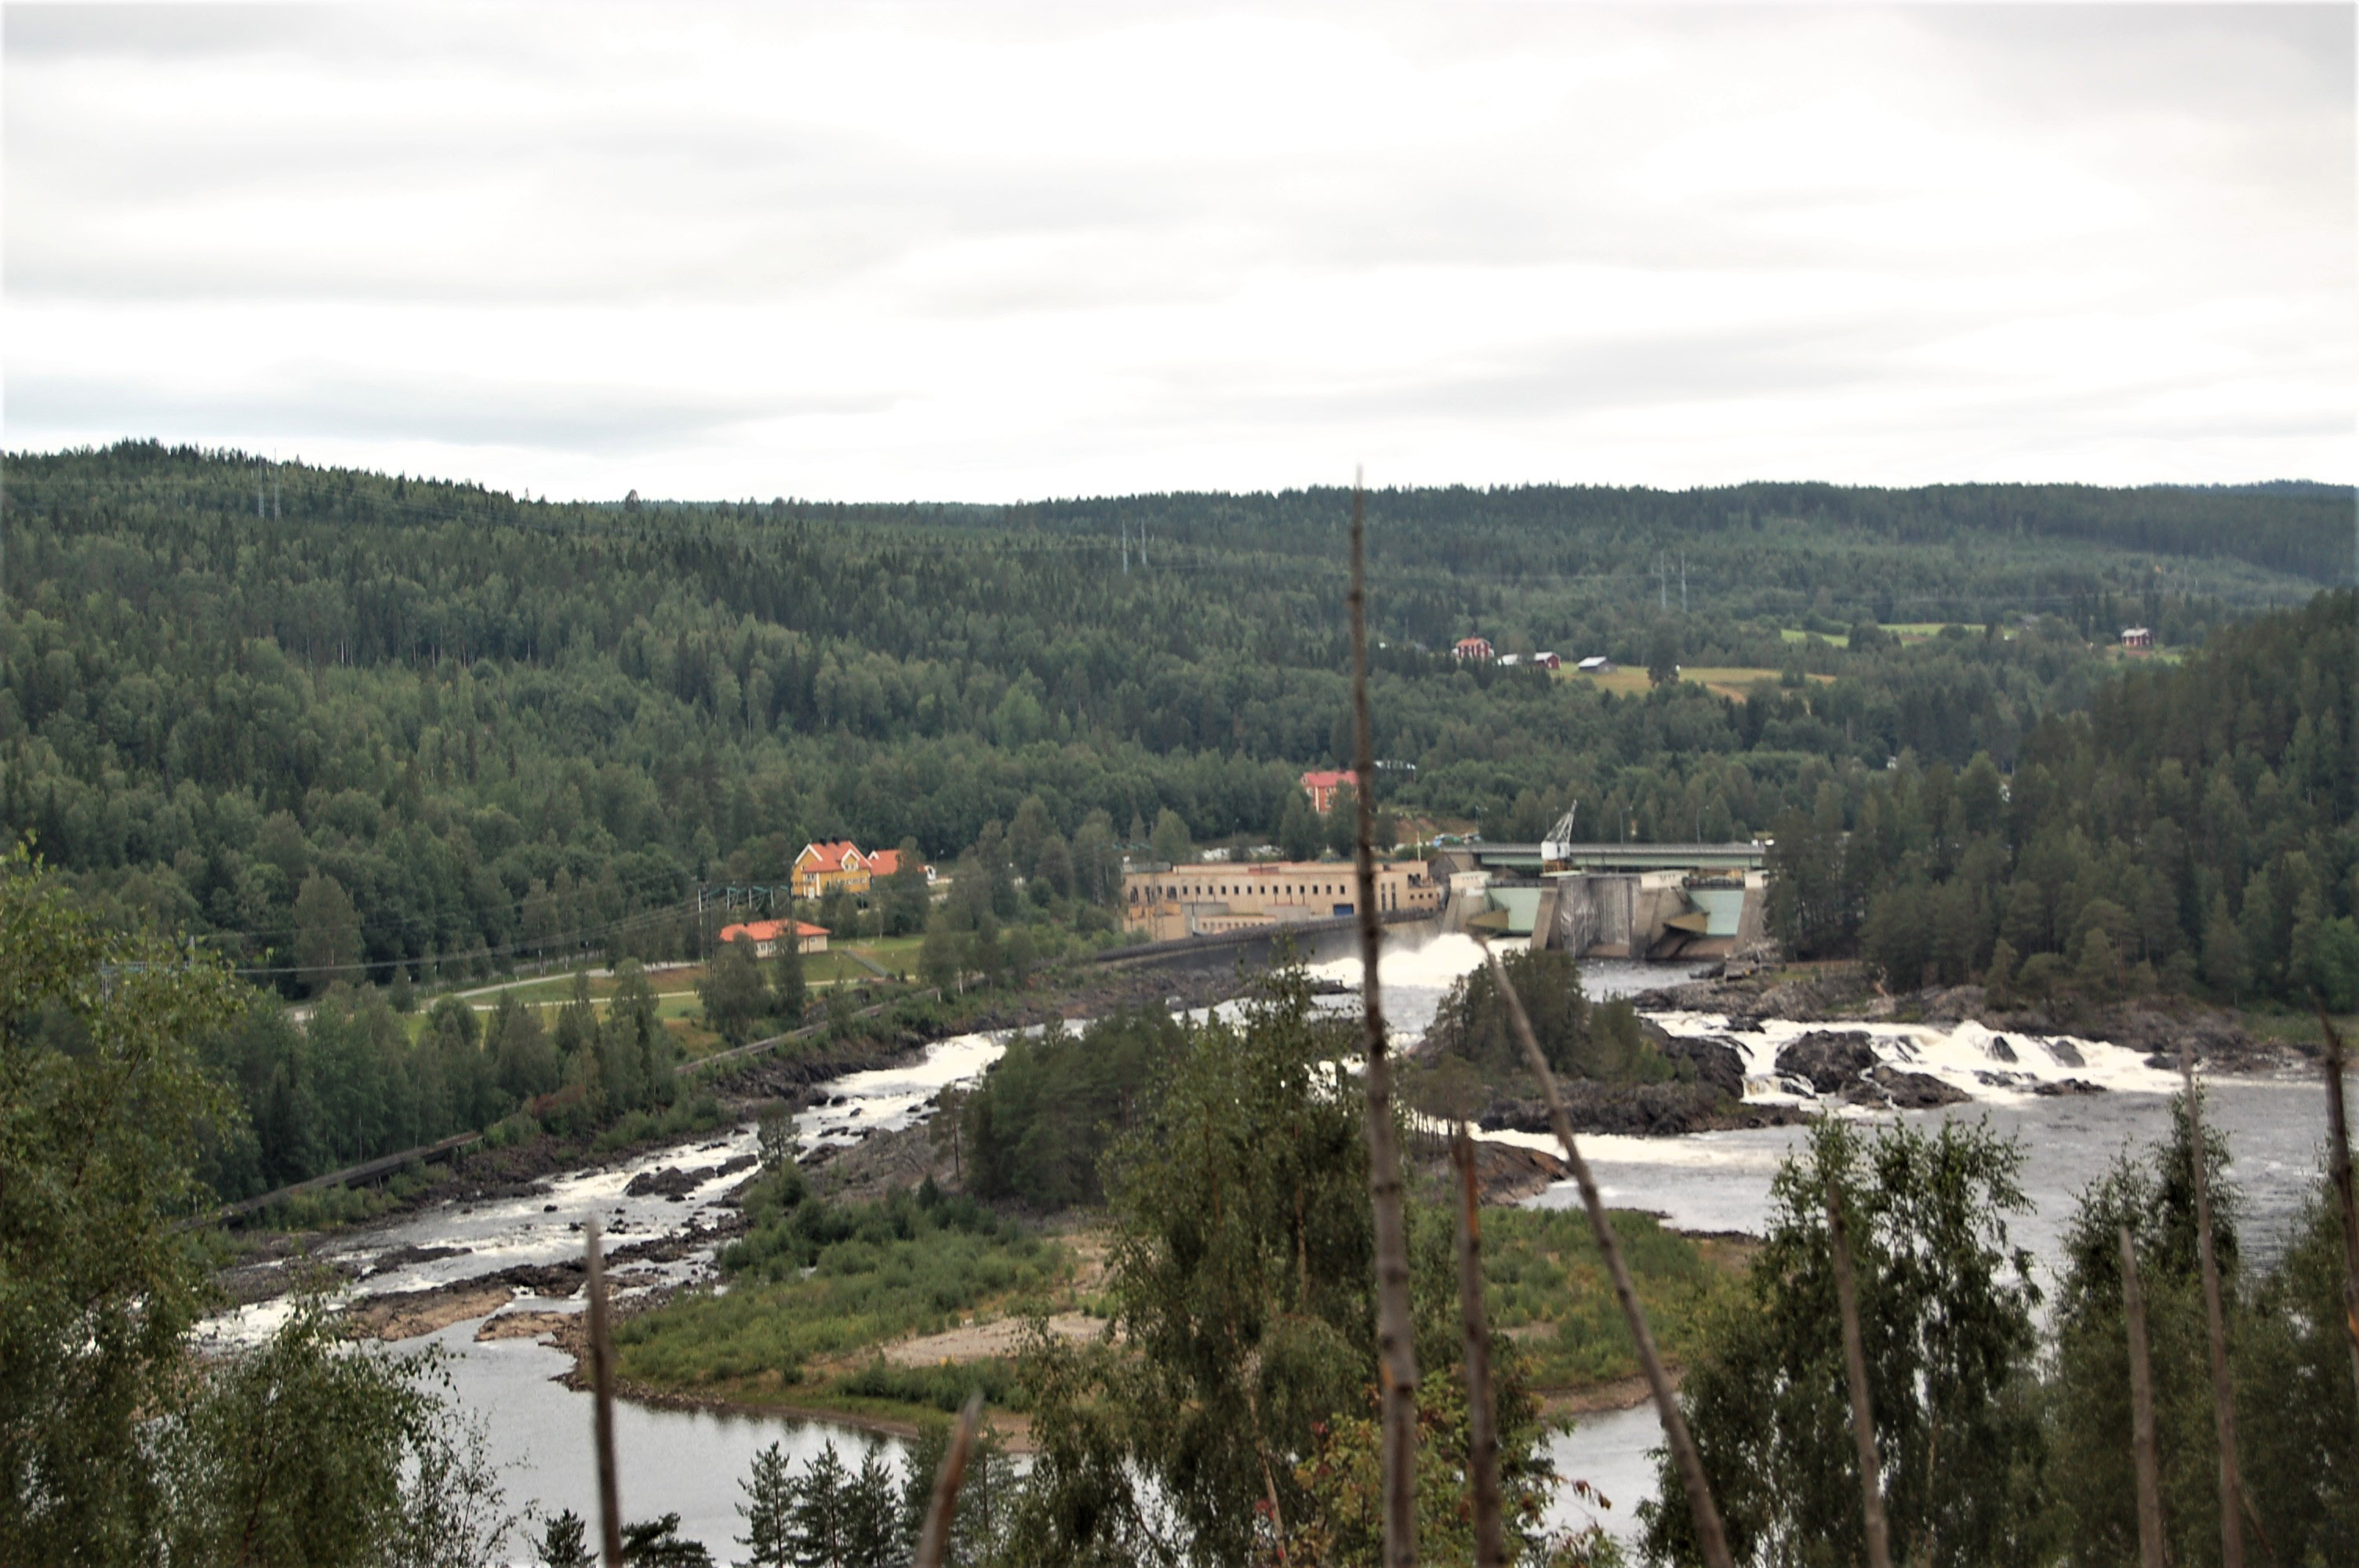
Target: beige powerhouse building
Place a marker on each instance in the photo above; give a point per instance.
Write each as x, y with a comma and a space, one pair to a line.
1200, 901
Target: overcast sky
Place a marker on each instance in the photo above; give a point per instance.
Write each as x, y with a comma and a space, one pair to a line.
990, 251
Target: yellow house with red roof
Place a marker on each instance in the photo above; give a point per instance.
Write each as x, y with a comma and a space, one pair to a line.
821, 868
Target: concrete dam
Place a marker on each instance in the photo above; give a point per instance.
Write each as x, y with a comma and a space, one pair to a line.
1610, 901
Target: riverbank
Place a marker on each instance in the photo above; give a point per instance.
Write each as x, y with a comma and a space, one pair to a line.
1547, 1283
785, 1077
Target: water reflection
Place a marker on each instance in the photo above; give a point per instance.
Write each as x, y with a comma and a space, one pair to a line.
687, 1462
692, 1462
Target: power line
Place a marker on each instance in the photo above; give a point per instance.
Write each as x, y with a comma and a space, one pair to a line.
504, 949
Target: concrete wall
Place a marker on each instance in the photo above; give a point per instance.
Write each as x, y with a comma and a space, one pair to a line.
1594, 915
1625, 914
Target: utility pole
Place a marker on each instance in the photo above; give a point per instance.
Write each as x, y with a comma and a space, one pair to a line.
1125, 550
1662, 583
1684, 582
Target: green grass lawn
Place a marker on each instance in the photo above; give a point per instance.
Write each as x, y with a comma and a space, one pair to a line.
1795, 634
1725, 680
1916, 629
677, 1001
899, 954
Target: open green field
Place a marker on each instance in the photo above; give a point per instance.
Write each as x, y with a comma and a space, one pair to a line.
1916, 630
899, 954
1725, 680
1796, 634
678, 1003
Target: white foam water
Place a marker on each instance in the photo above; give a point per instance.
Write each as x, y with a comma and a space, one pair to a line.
890, 1099
1986, 1065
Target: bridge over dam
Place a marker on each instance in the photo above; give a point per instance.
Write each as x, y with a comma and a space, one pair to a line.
1610, 901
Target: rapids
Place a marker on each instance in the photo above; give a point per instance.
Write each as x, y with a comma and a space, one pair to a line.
692, 1462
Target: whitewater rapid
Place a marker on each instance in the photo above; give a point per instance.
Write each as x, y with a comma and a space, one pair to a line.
692, 1461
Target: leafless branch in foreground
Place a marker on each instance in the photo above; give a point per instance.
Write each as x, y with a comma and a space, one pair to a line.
934, 1540
2149, 1462
601, 1382
1863, 1414
1482, 1418
2223, 1404
1710, 1537
1396, 1351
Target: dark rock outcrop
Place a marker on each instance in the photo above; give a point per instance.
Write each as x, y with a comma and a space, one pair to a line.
1828, 1060
1888, 1085
1953, 1005
402, 1257
554, 1281
1637, 1110
1509, 1172
671, 1182
2068, 1087
1718, 1064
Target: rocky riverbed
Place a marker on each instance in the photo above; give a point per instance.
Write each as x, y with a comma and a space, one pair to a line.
1747, 994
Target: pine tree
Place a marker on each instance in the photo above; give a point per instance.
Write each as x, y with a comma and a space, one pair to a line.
817, 1524
2224, 951
1171, 843
564, 1544
327, 931
768, 1510
1297, 828
871, 1524
789, 996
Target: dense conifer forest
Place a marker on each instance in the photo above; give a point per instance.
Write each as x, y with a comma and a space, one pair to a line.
433, 725
338, 727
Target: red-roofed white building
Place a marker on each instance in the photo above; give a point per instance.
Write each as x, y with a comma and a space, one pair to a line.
769, 936
1321, 787
1476, 650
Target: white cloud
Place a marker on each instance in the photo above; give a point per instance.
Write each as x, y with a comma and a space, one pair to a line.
998, 252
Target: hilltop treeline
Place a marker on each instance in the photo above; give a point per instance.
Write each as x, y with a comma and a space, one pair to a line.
2196, 827
1730, 533
330, 719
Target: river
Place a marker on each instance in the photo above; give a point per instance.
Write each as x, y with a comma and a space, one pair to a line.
692, 1462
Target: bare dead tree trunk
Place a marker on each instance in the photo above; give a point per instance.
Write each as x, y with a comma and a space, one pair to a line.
602, 1383
1396, 1352
1863, 1414
1481, 1417
2149, 1464
1711, 1538
2223, 1404
934, 1539
2338, 1167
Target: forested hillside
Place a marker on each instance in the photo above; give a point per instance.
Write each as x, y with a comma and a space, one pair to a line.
494, 727
2197, 828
